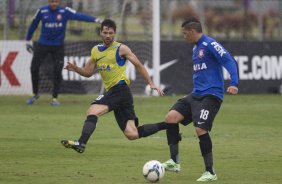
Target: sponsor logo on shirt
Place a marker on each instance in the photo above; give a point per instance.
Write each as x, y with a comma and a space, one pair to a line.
199, 66
218, 48
104, 68
44, 11
53, 25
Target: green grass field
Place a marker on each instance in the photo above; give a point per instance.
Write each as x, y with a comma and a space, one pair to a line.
246, 136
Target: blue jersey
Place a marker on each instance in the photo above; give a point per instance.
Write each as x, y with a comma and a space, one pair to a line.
54, 23
208, 58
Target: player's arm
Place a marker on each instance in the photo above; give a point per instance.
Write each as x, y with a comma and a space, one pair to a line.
232, 68
74, 15
86, 71
34, 24
125, 52
229, 63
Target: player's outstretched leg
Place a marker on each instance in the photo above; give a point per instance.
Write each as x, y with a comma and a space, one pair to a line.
88, 128
150, 129
74, 145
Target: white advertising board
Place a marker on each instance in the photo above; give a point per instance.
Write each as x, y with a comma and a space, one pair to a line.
15, 62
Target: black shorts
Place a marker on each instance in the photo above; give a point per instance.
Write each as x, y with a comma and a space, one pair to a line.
199, 110
119, 99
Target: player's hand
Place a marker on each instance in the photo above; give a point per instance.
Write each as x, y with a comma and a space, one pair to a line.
29, 46
71, 66
232, 90
154, 87
99, 21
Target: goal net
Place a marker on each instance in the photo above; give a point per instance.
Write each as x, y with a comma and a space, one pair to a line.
134, 28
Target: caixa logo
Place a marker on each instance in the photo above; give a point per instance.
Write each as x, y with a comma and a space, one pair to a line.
6, 68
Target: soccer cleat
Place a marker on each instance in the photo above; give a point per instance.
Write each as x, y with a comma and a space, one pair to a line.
207, 176
74, 145
170, 165
32, 99
55, 102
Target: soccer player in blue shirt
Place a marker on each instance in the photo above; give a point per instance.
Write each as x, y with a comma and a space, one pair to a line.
54, 20
201, 106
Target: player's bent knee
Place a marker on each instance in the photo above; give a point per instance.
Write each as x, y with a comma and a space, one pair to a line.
132, 137
200, 131
173, 117
97, 110
170, 119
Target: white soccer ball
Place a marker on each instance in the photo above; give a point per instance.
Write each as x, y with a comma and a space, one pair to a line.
153, 171
150, 92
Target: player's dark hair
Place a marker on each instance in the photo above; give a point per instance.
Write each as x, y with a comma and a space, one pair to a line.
109, 23
192, 23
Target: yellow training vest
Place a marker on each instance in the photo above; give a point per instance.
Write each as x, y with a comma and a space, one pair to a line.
109, 64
